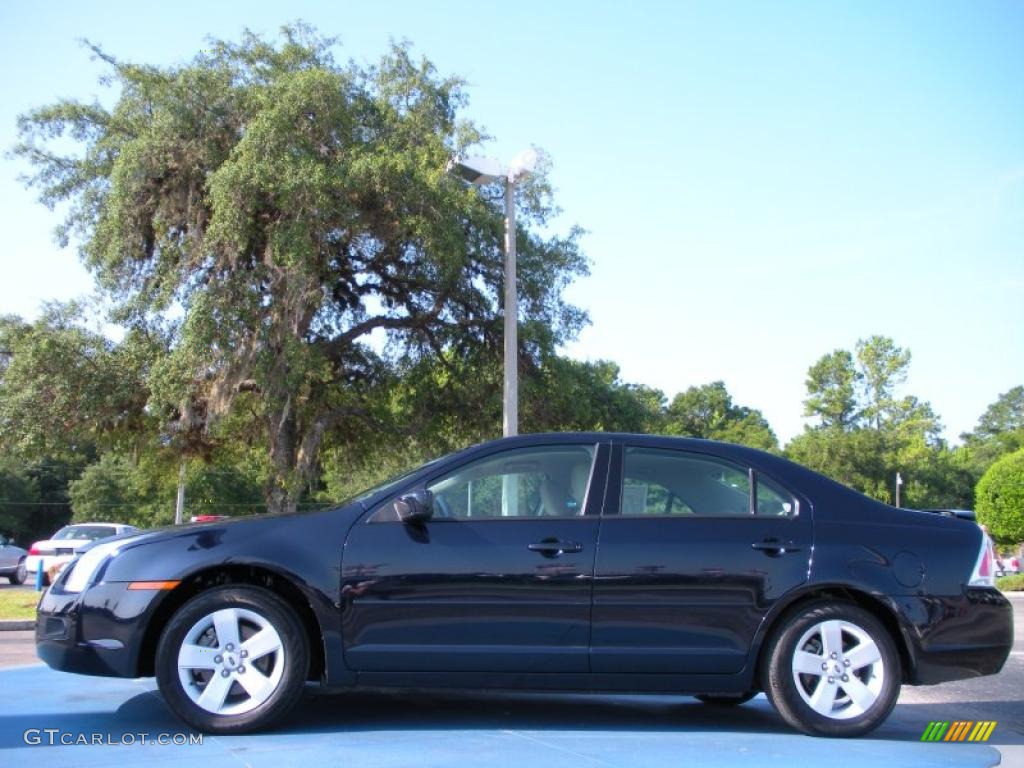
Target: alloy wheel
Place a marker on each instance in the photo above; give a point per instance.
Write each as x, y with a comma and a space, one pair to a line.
838, 669
231, 661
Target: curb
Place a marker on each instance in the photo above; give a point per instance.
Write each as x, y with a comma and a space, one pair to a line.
17, 624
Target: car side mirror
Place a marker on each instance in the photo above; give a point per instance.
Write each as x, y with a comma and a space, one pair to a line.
415, 507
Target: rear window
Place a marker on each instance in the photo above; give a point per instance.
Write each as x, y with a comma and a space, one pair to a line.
85, 532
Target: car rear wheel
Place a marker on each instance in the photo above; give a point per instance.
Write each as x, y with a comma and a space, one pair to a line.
832, 669
19, 575
232, 659
726, 700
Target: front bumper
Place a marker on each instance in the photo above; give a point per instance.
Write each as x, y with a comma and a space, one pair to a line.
96, 632
954, 638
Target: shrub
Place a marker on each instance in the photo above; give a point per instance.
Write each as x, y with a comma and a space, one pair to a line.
999, 499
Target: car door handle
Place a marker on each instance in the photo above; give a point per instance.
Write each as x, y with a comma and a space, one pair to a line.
552, 547
775, 547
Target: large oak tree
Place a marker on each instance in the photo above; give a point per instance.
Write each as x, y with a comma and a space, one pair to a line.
287, 223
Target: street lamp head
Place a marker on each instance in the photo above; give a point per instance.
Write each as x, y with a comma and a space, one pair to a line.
522, 165
477, 170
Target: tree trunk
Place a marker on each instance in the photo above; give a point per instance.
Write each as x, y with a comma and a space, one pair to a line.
282, 489
279, 500
293, 453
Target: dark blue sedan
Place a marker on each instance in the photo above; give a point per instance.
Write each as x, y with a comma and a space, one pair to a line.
568, 562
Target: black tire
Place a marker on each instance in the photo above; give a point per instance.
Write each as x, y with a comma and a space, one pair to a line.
19, 575
726, 700
294, 659
780, 680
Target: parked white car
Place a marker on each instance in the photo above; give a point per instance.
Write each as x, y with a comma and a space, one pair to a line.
1007, 564
60, 548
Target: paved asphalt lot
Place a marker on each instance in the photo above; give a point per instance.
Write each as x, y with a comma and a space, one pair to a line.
418, 729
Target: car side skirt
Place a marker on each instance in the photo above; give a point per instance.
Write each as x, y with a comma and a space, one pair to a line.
566, 683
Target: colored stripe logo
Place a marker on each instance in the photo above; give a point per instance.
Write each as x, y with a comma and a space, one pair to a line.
959, 730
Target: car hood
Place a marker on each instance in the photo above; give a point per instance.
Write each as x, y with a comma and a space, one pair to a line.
237, 524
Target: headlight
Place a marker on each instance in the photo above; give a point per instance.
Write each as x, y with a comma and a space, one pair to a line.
85, 567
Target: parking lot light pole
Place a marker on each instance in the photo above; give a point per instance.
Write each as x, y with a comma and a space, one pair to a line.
510, 401
485, 170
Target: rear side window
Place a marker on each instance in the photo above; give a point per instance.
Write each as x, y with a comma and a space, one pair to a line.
677, 483
772, 499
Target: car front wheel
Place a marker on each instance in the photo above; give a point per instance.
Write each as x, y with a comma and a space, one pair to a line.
832, 669
232, 659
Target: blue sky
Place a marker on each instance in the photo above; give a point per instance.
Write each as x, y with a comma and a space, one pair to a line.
762, 182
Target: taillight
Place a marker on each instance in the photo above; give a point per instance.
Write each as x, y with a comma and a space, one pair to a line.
34, 550
984, 570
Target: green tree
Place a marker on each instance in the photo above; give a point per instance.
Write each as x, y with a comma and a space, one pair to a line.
142, 493
66, 389
866, 433
1000, 499
1006, 414
854, 457
1000, 431
708, 412
832, 390
441, 405
112, 490
566, 395
19, 499
291, 207
882, 368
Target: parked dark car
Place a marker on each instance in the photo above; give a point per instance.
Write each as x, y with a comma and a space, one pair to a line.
569, 562
12, 561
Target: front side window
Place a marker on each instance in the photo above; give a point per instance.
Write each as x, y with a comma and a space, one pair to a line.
546, 481
676, 483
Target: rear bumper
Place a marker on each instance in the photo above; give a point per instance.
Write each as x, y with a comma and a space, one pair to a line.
96, 632
953, 638
32, 562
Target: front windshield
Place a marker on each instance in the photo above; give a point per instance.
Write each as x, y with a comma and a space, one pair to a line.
85, 532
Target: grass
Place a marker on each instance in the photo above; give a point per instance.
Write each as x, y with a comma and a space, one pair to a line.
1013, 583
18, 604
